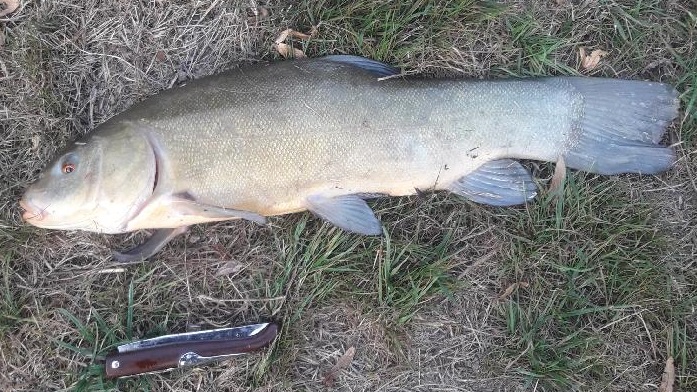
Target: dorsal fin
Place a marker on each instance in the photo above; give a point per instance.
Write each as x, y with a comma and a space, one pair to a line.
377, 68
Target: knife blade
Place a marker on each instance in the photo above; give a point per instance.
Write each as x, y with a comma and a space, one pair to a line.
187, 349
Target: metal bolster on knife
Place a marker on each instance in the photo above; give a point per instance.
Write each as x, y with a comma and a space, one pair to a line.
187, 349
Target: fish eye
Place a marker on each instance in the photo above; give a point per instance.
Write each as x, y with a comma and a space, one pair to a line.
68, 168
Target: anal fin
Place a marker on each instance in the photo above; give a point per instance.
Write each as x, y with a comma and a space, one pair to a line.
502, 182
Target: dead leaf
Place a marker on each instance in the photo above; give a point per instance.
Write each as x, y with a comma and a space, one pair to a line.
343, 362
35, 140
282, 37
286, 50
160, 56
513, 288
478, 262
10, 7
668, 379
589, 62
263, 12
295, 34
299, 35
258, 13
559, 176
230, 268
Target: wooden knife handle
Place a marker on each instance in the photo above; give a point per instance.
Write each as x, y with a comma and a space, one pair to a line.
167, 356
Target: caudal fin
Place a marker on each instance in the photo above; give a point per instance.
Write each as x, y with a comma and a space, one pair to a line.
622, 123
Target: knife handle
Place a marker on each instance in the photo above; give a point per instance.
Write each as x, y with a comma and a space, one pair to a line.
168, 356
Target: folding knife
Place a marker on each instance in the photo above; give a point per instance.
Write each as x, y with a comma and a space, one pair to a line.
187, 349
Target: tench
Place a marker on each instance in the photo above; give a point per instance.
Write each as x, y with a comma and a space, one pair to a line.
326, 134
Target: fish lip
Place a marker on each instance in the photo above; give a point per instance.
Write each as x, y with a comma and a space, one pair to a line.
31, 212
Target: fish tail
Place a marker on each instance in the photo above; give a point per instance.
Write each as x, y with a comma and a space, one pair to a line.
621, 126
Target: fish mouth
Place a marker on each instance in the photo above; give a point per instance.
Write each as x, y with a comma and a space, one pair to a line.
31, 212
36, 216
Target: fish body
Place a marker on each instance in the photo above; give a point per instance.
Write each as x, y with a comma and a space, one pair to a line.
325, 134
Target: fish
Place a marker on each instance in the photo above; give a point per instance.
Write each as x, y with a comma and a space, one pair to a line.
328, 134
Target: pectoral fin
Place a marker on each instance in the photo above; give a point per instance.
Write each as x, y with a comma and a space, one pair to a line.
348, 212
182, 210
178, 212
148, 248
503, 182
187, 207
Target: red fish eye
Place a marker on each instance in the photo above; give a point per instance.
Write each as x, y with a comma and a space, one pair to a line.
68, 168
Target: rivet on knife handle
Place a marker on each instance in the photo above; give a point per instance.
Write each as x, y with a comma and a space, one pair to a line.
188, 349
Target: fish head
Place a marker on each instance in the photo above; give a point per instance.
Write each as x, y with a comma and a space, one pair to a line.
96, 184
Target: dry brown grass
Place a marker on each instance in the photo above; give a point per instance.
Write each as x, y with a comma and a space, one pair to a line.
67, 66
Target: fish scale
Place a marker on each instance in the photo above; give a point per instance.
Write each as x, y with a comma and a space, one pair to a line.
439, 123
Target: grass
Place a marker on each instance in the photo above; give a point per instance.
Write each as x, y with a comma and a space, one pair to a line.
601, 278
537, 48
595, 269
10, 314
386, 30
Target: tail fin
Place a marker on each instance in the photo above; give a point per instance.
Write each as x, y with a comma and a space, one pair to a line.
622, 123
